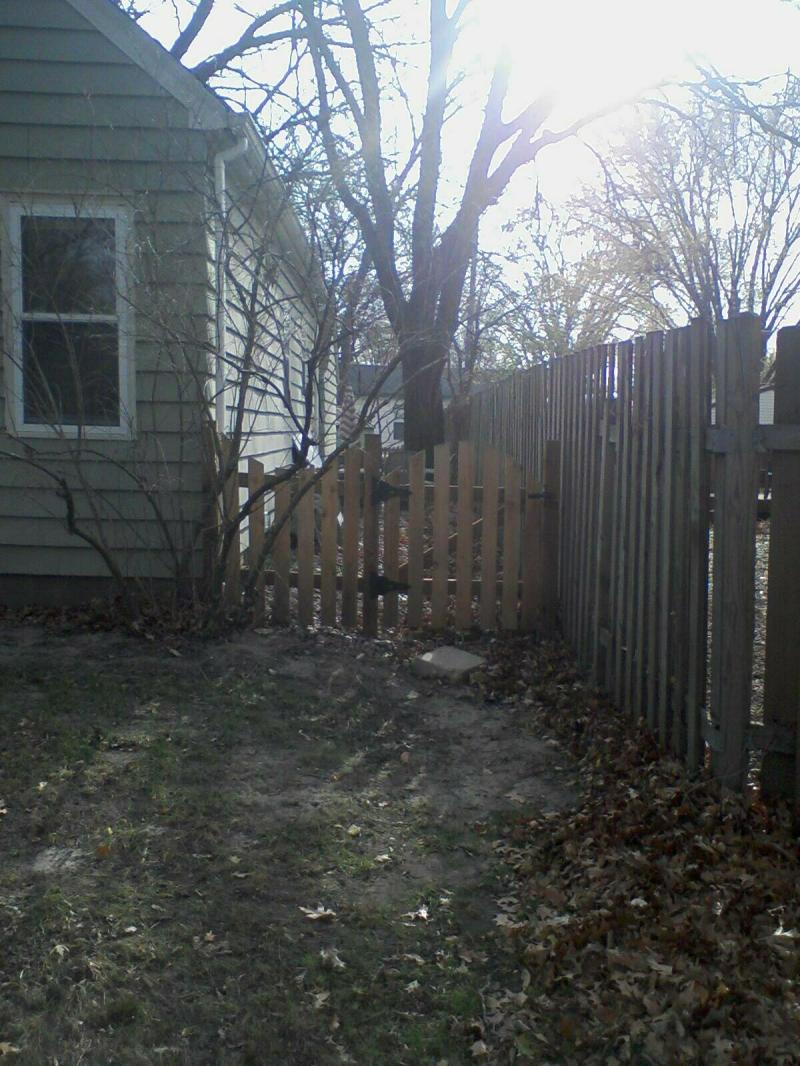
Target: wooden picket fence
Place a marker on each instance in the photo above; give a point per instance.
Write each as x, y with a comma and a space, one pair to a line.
642, 468
479, 550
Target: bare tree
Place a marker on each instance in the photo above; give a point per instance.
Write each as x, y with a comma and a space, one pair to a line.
569, 292
355, 72
422, 299
700, 211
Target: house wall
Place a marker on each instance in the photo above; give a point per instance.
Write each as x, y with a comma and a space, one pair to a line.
77, 117
273, 314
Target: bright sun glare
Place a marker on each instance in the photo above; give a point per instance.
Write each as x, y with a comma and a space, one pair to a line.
592, 53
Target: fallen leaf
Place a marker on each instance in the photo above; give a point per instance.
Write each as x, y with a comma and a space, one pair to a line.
8, 1049
330, 959
419, 915
354, 831
318, 913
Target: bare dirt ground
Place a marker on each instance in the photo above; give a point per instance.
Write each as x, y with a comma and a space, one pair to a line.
276, 849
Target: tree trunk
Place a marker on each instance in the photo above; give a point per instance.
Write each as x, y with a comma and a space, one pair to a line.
422, 396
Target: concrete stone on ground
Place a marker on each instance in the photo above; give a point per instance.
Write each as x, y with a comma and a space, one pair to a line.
447, 663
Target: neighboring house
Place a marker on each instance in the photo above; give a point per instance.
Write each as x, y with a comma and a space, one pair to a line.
386, 417
124, 183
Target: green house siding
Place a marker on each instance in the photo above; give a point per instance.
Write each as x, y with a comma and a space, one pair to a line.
78, 118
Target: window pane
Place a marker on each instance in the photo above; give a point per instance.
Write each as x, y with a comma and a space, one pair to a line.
71, 373
68, 265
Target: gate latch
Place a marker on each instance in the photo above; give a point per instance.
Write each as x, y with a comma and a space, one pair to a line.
384, 490
381, 585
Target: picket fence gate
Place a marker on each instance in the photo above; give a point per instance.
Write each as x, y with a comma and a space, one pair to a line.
474, 550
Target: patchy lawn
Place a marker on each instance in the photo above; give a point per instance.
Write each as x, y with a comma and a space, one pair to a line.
272, 850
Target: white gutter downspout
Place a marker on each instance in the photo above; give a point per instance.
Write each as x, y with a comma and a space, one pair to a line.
220, 191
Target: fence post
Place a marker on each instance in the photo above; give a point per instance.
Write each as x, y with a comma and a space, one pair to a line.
737, 370
781, 771
233, 563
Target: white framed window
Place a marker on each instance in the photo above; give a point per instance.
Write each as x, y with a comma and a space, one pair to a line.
68, 329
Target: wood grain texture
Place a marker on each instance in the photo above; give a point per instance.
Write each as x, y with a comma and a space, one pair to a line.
489, 505
737, 370
441, 535
416, 543
329, 534
256, 529
370, 512
465, 517
350, 535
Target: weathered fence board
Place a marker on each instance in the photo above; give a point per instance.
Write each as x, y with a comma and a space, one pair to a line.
350, 535
737, 368
634, 422
491, 477
781, 771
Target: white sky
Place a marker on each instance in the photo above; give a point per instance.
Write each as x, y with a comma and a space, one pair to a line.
590, 53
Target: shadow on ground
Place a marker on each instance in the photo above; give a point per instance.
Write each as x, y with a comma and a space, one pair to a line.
270, 850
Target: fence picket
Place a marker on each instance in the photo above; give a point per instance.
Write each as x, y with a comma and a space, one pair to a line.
305, 549
370, 533
350, 535
680, 546
737, 376
623, 490
256, 523
233, 561
656, 356
698, 484
602, 546
281, 555
329, 490
416, 545
391, 550
512, 488
441, 535
465, 518
780, 773
632, 651
490, 479
645, 503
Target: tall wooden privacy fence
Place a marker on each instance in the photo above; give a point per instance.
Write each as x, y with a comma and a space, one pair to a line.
645, 579
456, 545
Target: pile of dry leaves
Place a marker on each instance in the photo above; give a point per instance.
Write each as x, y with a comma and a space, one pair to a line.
658, 923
